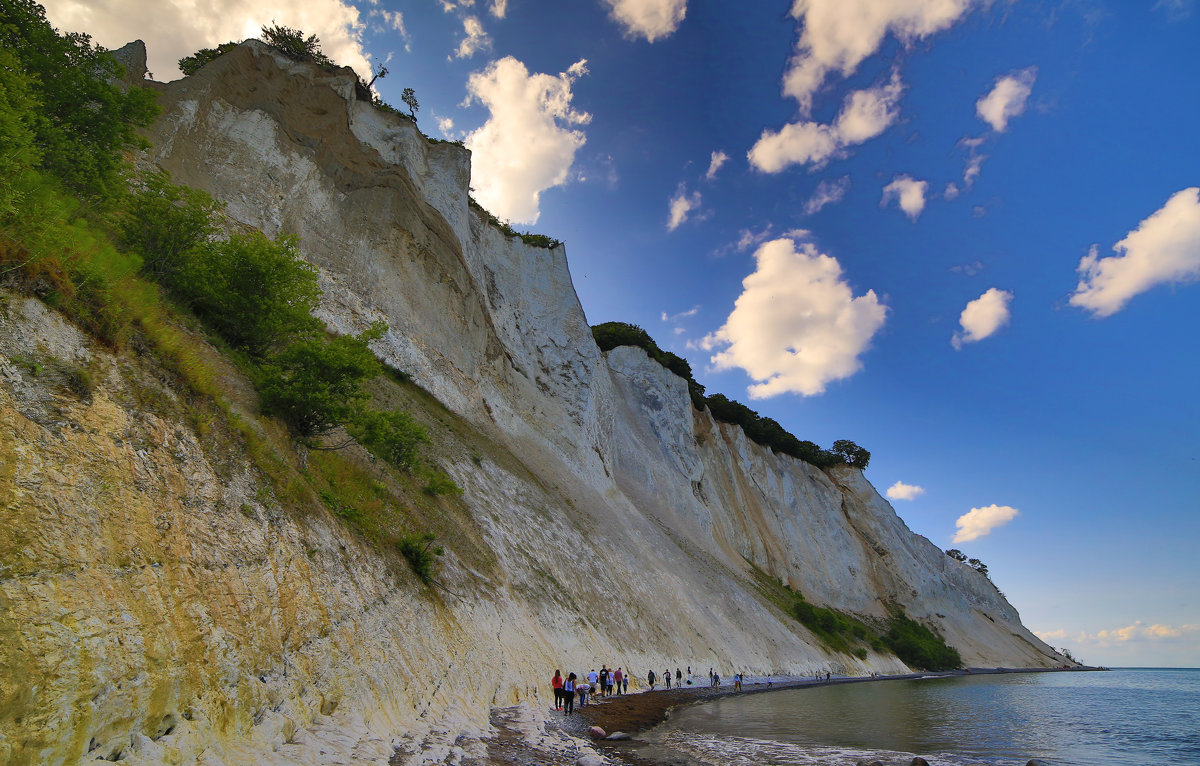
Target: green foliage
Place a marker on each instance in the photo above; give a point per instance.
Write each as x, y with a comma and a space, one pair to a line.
393, 436
835, 629
293, 44
534, 240
609, 335
409, 97
83, 123
979, 567
919, 647
255, 292
957, 555
851, 454
421, 555
439, 483
164, 224
189, 65
18, 115
315, 384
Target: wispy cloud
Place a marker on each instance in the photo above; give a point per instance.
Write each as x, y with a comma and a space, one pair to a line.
827, 193
1006, 99
1136, 632
979, 522
719, 158
679, 206
1163, 249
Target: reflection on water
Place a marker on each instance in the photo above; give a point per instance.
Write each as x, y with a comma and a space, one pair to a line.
1120, 718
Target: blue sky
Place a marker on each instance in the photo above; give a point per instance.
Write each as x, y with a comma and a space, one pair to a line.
892, 222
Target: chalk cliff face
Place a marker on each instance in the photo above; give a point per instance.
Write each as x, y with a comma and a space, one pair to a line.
157, 603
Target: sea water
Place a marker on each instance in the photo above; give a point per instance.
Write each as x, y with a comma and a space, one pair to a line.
1123, 717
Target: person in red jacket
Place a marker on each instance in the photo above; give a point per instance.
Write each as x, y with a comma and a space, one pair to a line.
557, 684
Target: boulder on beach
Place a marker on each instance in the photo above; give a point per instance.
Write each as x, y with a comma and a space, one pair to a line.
918, 761
1036, 762
590, 760
597, 733
618, 735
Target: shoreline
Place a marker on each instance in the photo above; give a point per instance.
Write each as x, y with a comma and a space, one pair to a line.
636, 714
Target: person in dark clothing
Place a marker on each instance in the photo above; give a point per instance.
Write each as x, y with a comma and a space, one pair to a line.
650, 679
568, 691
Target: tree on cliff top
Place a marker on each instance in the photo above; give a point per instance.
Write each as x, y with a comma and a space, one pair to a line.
293, 44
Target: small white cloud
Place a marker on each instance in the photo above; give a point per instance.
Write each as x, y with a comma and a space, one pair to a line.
827, 193
719, 158
680, 205
982, 317
1163, 249
970, 269
527, 144
952, 191
909, 192
1007, 98
649, 19
979, 522
476, 39
681, 315
446, 126
902, 491
864, 115
499, 8
797, 326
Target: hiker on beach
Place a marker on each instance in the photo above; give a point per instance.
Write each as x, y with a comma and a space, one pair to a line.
689, 675
678, 677
710, 675
584, 689
667, 678
650, 679
592, 678
568, 691
618, 677
557, 684
716, 679
603, 690
737, 682
625, 684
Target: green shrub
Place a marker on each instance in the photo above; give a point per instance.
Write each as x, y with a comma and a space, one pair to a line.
421, 555
189, 65
255, 292
393, 436
439, 483
83, 123
165, 224
315, 384
293, 44
919, 647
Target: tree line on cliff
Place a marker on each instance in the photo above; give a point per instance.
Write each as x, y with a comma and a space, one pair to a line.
758, 428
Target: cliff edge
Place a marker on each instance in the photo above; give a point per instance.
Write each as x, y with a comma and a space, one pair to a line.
159, 604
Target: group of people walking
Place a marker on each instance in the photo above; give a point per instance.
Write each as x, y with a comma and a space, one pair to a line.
604, 683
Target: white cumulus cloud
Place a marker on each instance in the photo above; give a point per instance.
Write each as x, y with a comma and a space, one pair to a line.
679, 206
1136, 632
173, 29
1006, 99
838, 34
865, 114
719, 158
651, 19
827, 193
527, 144
909, 192
797, 326
499, 8
982, 317
979, 522
1163, 249
902, 491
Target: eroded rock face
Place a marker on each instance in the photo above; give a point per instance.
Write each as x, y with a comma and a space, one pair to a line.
156, 604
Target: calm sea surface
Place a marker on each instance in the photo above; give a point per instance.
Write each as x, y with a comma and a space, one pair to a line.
1125, 717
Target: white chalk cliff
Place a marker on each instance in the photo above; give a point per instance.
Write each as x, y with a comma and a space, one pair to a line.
157, 605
